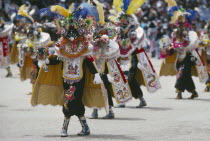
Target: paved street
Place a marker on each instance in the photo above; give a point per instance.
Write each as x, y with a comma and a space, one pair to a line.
164, 119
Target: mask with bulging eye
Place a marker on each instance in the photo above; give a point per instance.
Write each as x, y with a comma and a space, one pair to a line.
42, 53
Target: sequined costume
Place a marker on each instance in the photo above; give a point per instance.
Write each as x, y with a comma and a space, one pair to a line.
74, 50
133, 59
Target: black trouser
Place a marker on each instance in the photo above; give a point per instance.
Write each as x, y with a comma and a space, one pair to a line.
74, 106
108, 88
185, 84
134, 85
184, 80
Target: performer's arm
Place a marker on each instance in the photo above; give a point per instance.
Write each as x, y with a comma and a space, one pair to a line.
134, 62
171, 52
53, 60
90, 66
90, 63
193, 59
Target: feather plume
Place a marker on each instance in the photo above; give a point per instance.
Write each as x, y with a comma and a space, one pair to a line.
85, 10
134, 5
171, 3
191, 15
22, 8
117, 4
113, 16
71, 7
174, 10
176, 16
125, 5
60, 10
22, 13
100, 12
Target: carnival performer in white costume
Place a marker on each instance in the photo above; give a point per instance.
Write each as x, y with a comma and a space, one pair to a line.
133, 58
5, 30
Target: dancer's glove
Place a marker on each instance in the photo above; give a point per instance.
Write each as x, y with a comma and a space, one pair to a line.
97, 79
193, 59
110, 78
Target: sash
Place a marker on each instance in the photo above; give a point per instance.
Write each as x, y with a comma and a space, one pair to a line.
120, 86
149, 74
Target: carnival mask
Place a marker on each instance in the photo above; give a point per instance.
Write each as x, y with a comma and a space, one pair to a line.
124, 20
33, 33
42, 53
70, 28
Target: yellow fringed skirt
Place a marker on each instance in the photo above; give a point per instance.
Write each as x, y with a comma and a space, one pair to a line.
48, 89
168, 67
25, 71
92, 95
14, 54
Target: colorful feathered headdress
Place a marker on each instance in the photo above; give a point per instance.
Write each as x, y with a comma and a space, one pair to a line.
22, 14
82, 11
100, 11
127, 6
175, 11
60, 10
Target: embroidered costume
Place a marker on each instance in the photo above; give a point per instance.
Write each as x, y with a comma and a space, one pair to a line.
133, 59
106, 52
4, 47
183, 53
74, 51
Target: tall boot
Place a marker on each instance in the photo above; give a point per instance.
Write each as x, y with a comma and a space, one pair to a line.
65, 127
110, 115
179, 95
194, 95
94, 114
85, 129
9, 72
142, 103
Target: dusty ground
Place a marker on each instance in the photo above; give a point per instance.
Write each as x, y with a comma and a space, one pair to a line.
164, 119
